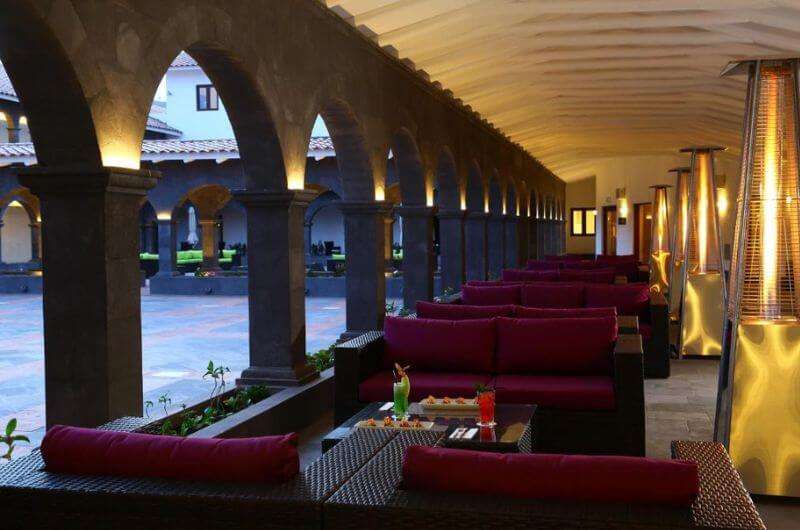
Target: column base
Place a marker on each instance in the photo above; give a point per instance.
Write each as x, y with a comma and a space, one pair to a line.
277, 376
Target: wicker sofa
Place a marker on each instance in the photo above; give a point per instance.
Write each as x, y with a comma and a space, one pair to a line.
580, 412
631, 300
374, 498
34, 498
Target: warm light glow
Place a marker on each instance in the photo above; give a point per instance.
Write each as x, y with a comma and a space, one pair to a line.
295, 180
380, 193
622, 206
163, 216
722, 201
23, 120
463, 201
769, 209
120, 160
703, 205
14, 204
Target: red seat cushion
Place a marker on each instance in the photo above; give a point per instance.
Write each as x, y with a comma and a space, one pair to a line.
573, 312
646, 331
589, 276
378, 387
499, 295
78, 451
513, 275
462, 312
491, 283
556, 295
556, 345
630, 299
539, 265
577, 478
582, 264
568, 392
440, 345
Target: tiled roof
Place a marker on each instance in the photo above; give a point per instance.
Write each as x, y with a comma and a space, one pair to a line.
5, 84
159, 150
183, 60
155, 123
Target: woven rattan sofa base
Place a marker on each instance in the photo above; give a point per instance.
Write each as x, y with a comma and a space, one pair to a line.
373, 499
34, 498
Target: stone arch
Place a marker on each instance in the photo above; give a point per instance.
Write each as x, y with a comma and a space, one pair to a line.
352, 153
326, 204
215, 45
475, 189
448, 181
60, 120
25, 198
409, 168
208, 199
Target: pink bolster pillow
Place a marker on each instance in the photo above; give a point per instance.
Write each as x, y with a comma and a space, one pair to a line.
79, 451
514, 275
462, 312
617, 479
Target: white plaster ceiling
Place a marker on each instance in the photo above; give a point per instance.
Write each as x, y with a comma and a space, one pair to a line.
573, 81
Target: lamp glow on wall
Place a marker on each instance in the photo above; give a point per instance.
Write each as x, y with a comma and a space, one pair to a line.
702, 277
622, 206
660, 243
758, 418
680, 236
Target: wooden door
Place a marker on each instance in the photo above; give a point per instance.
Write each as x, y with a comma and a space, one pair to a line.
609, 230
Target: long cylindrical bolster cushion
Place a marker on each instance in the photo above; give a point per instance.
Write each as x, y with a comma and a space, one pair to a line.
79, 451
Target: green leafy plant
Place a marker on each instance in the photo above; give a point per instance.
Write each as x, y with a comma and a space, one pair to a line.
404, 312
391, 307
148, 405
322, 359
10, 439
217, 373
165, 401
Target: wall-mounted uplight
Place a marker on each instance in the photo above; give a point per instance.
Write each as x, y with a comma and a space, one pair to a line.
622, 206
380, 193
163, 216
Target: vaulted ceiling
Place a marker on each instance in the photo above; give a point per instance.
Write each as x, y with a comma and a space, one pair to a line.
573, 81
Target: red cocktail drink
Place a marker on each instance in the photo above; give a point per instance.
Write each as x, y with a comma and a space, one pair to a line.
486, 407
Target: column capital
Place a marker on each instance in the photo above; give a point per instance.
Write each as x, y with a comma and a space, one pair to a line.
365, 207
276, 198
416, 211
78, 180
451, 213
477, 215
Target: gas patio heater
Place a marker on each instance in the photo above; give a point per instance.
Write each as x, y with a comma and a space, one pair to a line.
680, 235
659, 240
758, 417
702, 278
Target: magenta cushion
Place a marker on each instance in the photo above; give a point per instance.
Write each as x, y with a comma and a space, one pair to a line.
582, 265
78, 451
514, 275
554, 346
571, 478
491, 283
462, 312
573, 312
440, 345
539, 265
583, 392
589, 276
558, 295
630, 299
500, 295
378, 387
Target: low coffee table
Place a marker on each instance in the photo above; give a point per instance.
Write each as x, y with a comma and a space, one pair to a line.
512, 434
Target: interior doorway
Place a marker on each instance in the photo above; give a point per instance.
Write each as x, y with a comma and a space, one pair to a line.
642, 231
609, 230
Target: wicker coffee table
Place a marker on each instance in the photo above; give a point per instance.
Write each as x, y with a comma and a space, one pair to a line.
512, 434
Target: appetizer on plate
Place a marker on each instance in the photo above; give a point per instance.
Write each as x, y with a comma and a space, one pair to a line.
430, 400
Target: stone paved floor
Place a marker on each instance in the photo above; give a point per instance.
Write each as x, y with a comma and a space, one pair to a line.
180, 334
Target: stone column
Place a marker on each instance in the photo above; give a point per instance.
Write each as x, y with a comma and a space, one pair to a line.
388, 239
167, 247
523, 235
541, 238
365, 265
36, 241
276, 284
13, 126
511, 227
533, 238
418, 256
210, 244
496, 245
451, 241
91, 302
1, 243
476, 242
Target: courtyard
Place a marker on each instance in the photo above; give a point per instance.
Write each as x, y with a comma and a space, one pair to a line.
180, 334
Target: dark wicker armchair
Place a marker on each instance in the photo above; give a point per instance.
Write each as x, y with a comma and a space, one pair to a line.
373, 498
618, 431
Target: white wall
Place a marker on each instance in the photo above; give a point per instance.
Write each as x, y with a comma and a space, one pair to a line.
637, 174
182, 110
579, 194
16, 236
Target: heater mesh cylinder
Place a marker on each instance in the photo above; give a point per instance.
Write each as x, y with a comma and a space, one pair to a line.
703, 238
770, 246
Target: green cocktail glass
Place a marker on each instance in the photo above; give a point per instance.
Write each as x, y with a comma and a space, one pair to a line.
401, 391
